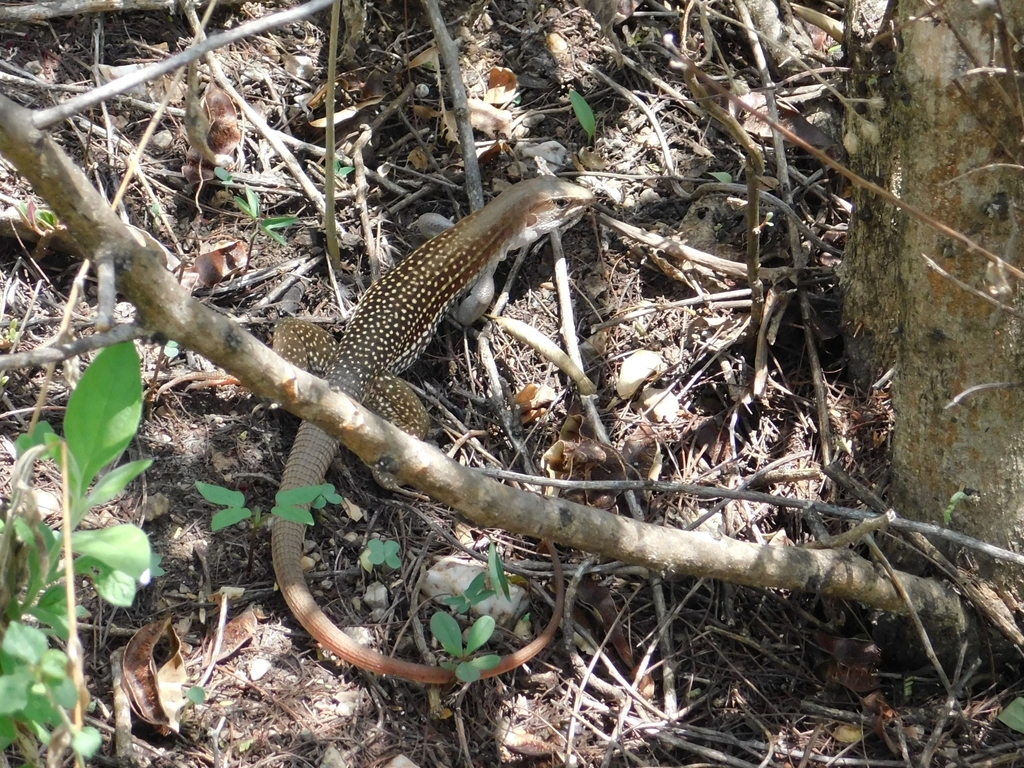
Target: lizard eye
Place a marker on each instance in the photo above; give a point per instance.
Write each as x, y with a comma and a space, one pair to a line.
561, 203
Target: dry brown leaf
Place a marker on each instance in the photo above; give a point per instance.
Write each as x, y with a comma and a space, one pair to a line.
557, 44
499, 147
488, 119
340, 116
857, 679
428, 58
533, 401
636, 369
847, 733
156, 695
223, 259
502, 85
598, 599
212, 129
423, 112
239, 631
660, 405
418, 159
848, 650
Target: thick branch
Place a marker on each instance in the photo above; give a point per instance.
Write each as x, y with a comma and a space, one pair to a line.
167, 309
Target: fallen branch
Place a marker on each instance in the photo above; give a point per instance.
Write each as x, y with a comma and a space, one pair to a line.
164, 307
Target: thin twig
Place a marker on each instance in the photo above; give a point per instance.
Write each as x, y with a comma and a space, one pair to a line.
44, 118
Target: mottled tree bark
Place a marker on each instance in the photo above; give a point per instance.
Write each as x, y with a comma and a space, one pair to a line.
945, 136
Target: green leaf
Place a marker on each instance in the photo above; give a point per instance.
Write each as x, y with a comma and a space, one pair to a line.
490, 661
24, 642
103, 412
583, 113
277, 238
467, 673
446, 630
14, 691
57, 621
116, 587
289, 503
115, 481
307, 494
722, 176
86, 742
497, 572
36, 437
215, 494
244, 207
459, 603
64, 693
222, 173
341, 171
54, 665
375, 552
122, 548
8, 732
293, 514
480, 633
53, 603
1012, 715
279, 222
228, 517
477, 590
196, 694
329, 494
391, 558
171, 349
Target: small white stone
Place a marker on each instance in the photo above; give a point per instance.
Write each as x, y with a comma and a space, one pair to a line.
258, 668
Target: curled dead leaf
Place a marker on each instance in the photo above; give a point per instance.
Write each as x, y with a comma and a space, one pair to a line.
212, 129
427, 58
239, 631
156, 694
636, 369
533, 401
502, 85
848, 650
223, 259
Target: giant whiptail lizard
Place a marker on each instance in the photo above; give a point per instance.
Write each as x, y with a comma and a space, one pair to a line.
390, 328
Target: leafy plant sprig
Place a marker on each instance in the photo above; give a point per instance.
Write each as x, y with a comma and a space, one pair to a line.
42, 689
584, 114
289, 505
447, 631
379, 552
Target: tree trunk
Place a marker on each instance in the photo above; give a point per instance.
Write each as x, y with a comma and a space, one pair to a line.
945, 137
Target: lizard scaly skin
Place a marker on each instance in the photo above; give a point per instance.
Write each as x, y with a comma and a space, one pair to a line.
392, 325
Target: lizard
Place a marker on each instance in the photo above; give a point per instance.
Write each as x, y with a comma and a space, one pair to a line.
391, 326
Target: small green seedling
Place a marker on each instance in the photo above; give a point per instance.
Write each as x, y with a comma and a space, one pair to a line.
341, 171
964, 494
496, 570
448, 633
233, 503
251, 207
39, 695
1012, 715
721, 177
379, 552
475, 594
584, 114
478, 590
289, 504
196, 694
41, 220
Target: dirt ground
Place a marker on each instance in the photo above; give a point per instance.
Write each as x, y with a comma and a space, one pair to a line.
687, 671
